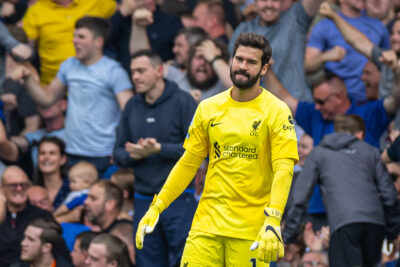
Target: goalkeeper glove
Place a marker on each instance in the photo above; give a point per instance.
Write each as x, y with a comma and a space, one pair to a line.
149, 220
269, 239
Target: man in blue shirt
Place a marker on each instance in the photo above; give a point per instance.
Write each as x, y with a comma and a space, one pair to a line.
98, 89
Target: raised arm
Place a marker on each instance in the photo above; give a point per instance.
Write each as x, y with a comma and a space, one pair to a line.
354, 37
315, 58
139, 40
392, 102
43, 97
311, 6
276, 87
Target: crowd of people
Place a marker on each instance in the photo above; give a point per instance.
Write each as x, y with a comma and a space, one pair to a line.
100, 99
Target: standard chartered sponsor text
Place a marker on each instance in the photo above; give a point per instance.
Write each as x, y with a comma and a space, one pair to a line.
240, 152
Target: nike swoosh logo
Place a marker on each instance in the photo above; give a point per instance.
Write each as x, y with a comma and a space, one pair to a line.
215, 124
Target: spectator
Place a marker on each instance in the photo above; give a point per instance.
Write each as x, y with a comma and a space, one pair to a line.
51, 173
152, 146
94, 99
43, 245
81, 177
106, 250
103, 205
370, 77
39, 197
385, 59
19, 214
207, 73
210, 15
348, 171
287, 32
314, 259
382, 10
80, 253
125, 180
9, 44
53, 119
51, 35
124, 232
325, 38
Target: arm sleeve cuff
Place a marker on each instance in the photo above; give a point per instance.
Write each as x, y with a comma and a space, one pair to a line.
283, 174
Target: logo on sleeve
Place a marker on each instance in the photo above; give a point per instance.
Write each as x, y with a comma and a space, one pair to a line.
289, 126
255, 125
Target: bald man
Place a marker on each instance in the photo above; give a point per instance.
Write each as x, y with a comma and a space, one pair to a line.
39, 197
14, 186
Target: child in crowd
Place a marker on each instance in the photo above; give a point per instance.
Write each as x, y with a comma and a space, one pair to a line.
81, 176
124, 179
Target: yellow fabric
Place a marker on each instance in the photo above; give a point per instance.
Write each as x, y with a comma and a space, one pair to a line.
149, 221
180, 177
283, 173
52, 26
242, 140
203, 249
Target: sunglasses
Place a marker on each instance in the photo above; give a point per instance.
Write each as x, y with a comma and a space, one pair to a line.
15, 186
321, 102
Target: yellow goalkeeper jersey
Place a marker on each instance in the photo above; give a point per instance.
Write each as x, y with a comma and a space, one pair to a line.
242, 139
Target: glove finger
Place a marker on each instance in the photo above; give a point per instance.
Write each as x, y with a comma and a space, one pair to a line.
281, 250
261, 251
274, 250
268, 251
140, 236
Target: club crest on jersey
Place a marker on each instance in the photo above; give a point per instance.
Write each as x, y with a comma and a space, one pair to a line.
254, 126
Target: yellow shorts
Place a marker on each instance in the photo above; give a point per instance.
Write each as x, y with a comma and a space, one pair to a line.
209, 250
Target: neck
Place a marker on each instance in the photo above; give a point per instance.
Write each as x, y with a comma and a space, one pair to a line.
216, 32
56, 124
108, 219
45, 260
350, 12
12, 208
52, 180
92, 60
153, 94
343, 108
245, 95
64, 2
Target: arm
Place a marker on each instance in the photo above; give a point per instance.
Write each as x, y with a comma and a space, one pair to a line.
392, 102
43, 97
139, 40
61, 211
275, 87
311, 6
8, 149
384, 182
123, 98
353, 36
32, 123
315, 58
179, 178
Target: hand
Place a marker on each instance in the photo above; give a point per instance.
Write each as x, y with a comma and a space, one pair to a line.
389, 58
208, 50
149, 221
20, 73
269, 240
337, 53
127, 7
196, 94
311, 239
21, 52
7, 9
326, 10
143, 17
144, 148
9, 100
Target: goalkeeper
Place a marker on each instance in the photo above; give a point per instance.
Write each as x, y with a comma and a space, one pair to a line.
249, 136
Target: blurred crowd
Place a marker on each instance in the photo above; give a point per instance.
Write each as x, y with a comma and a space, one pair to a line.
96, 97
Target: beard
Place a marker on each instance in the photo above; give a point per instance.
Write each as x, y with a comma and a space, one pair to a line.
242, 85
202, 85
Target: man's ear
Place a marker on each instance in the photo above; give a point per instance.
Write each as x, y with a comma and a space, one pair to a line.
264, 69
110, 204
46, 248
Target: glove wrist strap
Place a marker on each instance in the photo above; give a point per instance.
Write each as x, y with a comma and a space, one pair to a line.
272, 216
